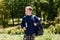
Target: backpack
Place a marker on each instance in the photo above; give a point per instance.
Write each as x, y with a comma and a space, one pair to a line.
39, 28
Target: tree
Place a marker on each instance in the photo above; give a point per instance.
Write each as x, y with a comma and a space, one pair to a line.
4, 14
37, 8
52, 10
16, 8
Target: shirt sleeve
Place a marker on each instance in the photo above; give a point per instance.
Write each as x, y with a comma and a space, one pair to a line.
38, 22
23, 23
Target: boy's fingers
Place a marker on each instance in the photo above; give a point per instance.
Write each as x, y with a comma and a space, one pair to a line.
35, 24
24, 28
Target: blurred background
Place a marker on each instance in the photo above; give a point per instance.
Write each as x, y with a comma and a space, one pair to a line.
12, 11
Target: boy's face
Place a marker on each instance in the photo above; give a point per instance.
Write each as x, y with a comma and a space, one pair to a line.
28, 11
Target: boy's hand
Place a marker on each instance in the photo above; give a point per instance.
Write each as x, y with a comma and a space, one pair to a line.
35, 24
24, 28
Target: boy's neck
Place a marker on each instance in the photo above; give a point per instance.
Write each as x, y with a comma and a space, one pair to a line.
28, 15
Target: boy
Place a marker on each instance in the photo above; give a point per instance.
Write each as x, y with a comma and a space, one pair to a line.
28, 24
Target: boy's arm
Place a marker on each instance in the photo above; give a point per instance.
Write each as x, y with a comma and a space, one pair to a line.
23, 24
37, 20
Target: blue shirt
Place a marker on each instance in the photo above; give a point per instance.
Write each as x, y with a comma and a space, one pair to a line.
30, 24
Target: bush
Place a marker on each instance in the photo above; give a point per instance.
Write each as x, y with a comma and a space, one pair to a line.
54, 29
57, 20
13, 30
57, 28
51, 29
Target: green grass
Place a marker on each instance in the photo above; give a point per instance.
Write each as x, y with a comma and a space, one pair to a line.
10, 37
47, 36
20, 37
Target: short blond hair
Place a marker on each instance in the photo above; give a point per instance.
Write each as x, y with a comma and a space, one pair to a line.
29, 7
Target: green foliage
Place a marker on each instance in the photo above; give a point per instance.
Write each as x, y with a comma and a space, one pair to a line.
57, 20
45, 24
12, 9
51, 29
57, 28
54, 29
46, 36
13, 36
12, 30
48, 10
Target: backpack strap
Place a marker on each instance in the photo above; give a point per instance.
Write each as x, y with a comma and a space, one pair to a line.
33, 18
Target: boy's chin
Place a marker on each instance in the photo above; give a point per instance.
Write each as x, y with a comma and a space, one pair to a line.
28, 15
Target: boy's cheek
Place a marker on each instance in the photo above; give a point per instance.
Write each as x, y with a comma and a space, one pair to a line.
26, 13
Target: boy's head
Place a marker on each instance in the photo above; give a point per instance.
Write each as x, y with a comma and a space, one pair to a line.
28, 10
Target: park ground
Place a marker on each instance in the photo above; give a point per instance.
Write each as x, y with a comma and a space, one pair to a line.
45, 36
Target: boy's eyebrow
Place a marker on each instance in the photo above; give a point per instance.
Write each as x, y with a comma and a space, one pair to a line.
30, 9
